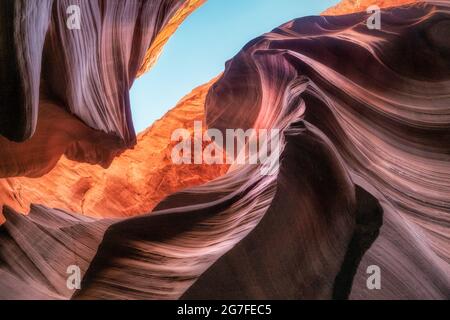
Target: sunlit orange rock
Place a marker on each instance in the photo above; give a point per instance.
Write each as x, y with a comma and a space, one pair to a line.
83, 74
134, 183
365, 148
351, 6
139, 178
48, 129
164, 35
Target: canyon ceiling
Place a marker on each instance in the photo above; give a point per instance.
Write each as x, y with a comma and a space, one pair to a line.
365, 166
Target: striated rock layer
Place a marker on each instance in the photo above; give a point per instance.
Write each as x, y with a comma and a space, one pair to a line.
363, 180
92, 191
351, 6
164, 35
61, 84
134, 183
385, 109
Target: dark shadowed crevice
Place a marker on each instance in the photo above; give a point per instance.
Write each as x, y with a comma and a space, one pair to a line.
369, 219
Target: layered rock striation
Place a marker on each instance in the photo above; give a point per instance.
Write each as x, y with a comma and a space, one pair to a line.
65, 83
134, 183
362, 181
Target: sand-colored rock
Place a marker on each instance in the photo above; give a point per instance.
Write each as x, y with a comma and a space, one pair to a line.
164, 35
81, 138
365, 147
138, 179
351, 6
134, 183
86, 73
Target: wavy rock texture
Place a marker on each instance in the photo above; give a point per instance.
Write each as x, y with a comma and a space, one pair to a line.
364, 116
164, 35
86, 73
393, 138
89, 190
351, 6
134, 183
394, 146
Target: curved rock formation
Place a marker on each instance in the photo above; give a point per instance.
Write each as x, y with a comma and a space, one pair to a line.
392, 140
86, 72
134, 183
363, 180
385, 110
164, 35
351, 6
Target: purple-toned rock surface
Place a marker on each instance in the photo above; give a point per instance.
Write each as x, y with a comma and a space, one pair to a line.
363, 180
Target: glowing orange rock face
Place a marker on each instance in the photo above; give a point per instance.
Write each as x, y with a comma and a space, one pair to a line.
140, 178
351, 6
92, 189
164, 35
135, 182
363, 181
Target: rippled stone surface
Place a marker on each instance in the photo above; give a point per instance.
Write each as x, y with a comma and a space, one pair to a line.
66, 91
364, 180
134, 183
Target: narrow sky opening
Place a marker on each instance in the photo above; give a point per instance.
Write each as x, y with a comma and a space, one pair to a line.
198, 50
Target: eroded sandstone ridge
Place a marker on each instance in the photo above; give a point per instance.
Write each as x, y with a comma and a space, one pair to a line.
163, 36
134, 183
364, 180
77, 128
66, 91
349, 6
93, 191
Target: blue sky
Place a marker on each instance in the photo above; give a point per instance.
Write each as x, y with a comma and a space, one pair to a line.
198, 50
